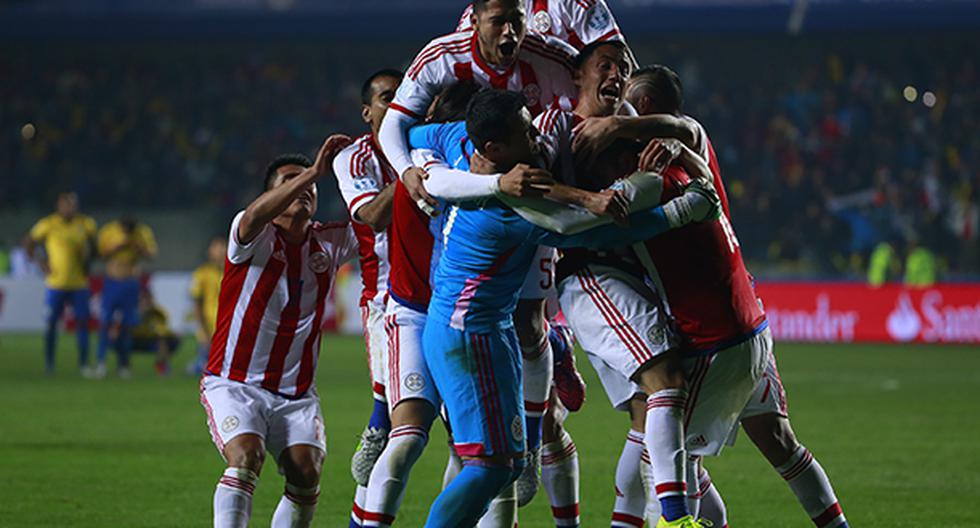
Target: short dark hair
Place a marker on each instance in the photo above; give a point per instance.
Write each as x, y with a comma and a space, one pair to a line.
452, 101
488, 115
590, 49
480, 5
281, 161
366, 94
663, 86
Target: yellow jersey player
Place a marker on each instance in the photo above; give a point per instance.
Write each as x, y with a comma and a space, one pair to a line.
67, 238
153, 333
205, 285
124, 244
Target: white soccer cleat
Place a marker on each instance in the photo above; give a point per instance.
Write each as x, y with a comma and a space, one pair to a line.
530, 479
373, 442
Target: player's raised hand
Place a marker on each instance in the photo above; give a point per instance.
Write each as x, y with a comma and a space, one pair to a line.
613, 204
524, 181
658, 154
593, 136
412, 180
328, 151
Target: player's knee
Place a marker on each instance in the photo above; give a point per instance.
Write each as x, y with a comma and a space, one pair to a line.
773, 435
247, 451
661, 373
302, 466
551, 424
414, 411
638, 413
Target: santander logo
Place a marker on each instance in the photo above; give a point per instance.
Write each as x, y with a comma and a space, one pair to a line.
904, 322
821, 324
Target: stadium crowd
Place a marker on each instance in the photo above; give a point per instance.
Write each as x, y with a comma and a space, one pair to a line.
823, 151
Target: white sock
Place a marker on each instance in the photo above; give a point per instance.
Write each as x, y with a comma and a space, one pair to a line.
693, 488
809, 482
664, 441
646, 475
296, 507
357, 510
233, 498
389, 477
628, 509
454, 465
503, 510
559, 474
712, 505
537, 374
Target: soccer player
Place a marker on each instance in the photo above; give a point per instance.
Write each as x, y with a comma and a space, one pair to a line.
715, 306
68, 238
470, 345
366, 182
205, 285
577, 22
124, 244
258, 391
153, 333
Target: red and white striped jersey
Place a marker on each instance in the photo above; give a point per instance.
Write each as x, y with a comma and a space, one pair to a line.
272, 304
362, 172
577, 22
542, 71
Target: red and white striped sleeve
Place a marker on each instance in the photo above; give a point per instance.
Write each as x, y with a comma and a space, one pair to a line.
465, 22
239, 252
590, 21
356, 178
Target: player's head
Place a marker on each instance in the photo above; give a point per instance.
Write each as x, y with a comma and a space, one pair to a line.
450, 104
376, 93
499, 126
500, 29
217, 249
67, 204
601, 72
655, 90
128, 223
284, 168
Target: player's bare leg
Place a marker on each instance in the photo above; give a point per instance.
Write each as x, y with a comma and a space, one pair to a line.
529, 321
411, 420
480, 481
664, 383
559, 466
302, 466
233, 495
773, 435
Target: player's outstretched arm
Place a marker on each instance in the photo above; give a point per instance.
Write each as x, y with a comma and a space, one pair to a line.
595, 134
273, 202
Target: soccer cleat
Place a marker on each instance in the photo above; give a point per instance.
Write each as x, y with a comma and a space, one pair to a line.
568, 382
373, 442
686, 521
530, 479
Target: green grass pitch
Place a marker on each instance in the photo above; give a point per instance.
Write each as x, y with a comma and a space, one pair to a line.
895, 427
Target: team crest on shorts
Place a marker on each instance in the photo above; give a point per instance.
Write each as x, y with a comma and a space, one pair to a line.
517, 428
532, 93
656, 334
319, 262
229, 424
541, 22
414, 382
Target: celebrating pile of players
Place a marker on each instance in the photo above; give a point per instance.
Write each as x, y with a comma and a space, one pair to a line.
523, 185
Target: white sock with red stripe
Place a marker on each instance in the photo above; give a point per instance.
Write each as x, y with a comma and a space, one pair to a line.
503, 510
646, 475
390, 475
631, 500
665, 443
296, 507
537, 372
809, 482
233, 498
559, 474
693, 489
712, 505
357, 510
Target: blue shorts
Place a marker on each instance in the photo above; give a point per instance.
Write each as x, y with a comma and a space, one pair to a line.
478, 376
55, 301
123, 296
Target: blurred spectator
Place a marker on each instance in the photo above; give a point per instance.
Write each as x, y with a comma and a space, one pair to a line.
921, 265
884, 264
153, 333
4, 259
205, 285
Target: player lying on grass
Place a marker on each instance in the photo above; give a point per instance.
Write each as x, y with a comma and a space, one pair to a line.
715, 305
258, 390
469, 341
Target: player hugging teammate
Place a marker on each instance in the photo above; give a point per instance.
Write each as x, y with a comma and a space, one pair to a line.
525, 130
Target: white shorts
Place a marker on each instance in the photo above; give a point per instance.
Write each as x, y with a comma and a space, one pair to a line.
620, 322
719, 388
376, 346
408, 375
769, 395
540, 280
235, 408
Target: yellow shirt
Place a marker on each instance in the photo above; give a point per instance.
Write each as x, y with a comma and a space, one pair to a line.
153, 324
113, 234
205, 284
67, 244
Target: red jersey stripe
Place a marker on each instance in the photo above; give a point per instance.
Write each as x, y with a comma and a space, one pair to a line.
252, 320
308, 361
231, 288
288, 320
